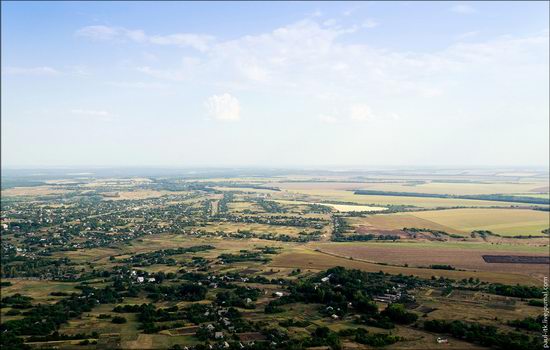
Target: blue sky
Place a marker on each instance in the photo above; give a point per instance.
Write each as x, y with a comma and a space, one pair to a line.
283, 84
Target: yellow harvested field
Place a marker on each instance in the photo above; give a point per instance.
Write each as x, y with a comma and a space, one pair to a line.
315, 261
461, 255
39, 290
347, 207
397, 222
455, 188
32, 191
502, 221
234, 227
348, 196
338, 207
142, 194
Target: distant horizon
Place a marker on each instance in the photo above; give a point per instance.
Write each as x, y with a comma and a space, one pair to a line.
281, 167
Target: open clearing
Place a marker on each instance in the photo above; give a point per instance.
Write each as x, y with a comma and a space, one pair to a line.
434, 187
396, 222
315, 260
32, 191
424, 255
506, 222
422, 202
39, 290
338, 207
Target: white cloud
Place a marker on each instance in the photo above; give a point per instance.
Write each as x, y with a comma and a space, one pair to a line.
94, 114
98, 32
311, 59
137, 84
80, 71
467, 35
30, 71
316, 13
329, 119
174, 75
199, 42
463, 9
223, 107
361, 112
369, 23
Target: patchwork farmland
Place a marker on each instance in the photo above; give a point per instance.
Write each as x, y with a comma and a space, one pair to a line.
168, 262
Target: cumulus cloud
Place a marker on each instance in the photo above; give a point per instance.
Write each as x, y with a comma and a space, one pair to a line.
223, 107
361, 112
199, 42
313, 59
44, 70
307, 57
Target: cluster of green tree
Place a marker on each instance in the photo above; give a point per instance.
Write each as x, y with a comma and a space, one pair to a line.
16, 301
376, 320
238, 324
487, 197
42, 319
223, 280
274, 307
161, 256
394, 313
436, 233
244, 255
442, 267
270, 206
194, 276
197, 261
279, 220
339, 227
363, 238
148, 315
322, 336
118, 320
319, 208
21, 266
517, 291
302, 238
184, 291
247, 234
238, 296
483, 234
269, 250
223, 203
484, 335
397, 313
536, 302
294, 323
22, 226
242, 185
56, 336
528, 323
362, 336
342, 291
